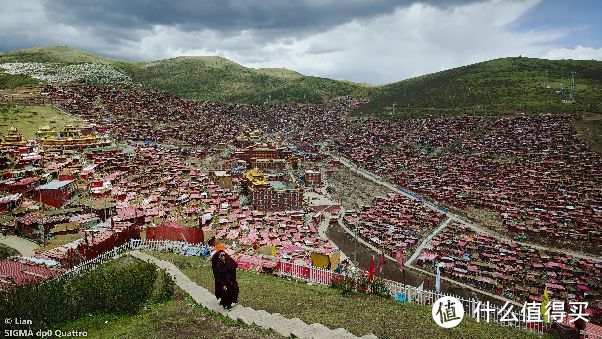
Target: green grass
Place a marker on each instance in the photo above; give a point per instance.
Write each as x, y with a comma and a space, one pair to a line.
492, 87
206, 77
216, 78
359, 313
121, 287
125, 298
590, 128
177, 318
6, 252
61, 54
16, 80
488, 88
28, 119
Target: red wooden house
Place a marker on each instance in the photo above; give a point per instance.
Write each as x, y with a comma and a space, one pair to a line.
56, 193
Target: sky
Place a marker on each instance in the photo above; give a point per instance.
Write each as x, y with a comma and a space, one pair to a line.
370, 41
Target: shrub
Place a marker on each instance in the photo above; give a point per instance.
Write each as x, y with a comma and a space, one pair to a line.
107, 289
380, 287
345, 284
363, 283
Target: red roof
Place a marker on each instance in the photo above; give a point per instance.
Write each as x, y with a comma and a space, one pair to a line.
19, 273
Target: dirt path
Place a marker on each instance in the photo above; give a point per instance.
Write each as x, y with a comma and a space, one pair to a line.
25, 247
426, 241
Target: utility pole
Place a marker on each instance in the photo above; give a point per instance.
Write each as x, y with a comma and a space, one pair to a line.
545, 80
572, 90
355, 246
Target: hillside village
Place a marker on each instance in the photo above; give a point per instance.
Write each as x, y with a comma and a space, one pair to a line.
268, 180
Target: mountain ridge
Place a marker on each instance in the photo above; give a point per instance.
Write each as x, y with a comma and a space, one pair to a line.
498, 86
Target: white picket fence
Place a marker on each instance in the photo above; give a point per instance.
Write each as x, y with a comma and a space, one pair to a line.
416, 295
134, 244
590, 335
321, 276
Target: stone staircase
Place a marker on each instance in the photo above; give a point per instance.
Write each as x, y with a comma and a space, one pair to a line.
274, 321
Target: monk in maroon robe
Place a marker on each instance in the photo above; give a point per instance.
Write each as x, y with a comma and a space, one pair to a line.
224, 271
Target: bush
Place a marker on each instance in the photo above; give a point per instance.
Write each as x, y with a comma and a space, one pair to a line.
380, 287
345, 284
164, 287
348, 284
106, 289
363, 283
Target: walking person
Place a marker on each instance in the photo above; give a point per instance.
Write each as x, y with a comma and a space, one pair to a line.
224, 272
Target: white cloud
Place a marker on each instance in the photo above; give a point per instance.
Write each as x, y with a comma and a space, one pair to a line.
410, 41
577, 53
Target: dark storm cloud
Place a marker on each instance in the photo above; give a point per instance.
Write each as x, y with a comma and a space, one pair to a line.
373, 41
284, 16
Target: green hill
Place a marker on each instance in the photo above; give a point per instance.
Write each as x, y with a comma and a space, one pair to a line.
492, 87
206, 77
58, 54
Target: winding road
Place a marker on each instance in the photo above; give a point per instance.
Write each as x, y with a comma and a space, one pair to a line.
25, 247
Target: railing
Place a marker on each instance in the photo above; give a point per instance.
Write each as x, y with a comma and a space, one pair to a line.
416, 295
321, 276
309, 274
133, 244
498, 314
585, 334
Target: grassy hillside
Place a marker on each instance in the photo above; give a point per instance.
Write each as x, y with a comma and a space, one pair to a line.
60, 54
211, 78
491, 87
180, 317
122, 287
590, 128
28, 119
383, 317
16, 80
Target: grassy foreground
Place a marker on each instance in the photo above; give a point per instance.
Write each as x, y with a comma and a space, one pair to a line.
177, 318
125, 298
360, 313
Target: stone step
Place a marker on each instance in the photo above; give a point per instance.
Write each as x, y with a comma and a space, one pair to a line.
263, 319
342, 333
247, 316
299, 328
320, 331
278, 323
281, 325
239, 312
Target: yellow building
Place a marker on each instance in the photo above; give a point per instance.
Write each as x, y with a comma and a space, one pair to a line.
71, 137
13, 138
271, 195
45, 132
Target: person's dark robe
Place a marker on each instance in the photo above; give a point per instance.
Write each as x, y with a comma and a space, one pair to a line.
225, 275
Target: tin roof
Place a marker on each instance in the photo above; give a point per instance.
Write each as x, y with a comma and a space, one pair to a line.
53, 185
